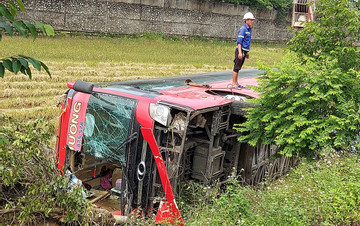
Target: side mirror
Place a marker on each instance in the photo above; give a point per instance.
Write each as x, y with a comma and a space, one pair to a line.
85, 87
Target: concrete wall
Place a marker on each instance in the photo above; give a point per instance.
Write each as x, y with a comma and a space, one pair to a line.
173, 17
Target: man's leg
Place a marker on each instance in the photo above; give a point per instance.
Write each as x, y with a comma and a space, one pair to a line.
235, 78
243, 59
238, 65
236, 69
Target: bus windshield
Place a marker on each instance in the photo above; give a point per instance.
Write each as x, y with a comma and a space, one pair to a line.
107, 126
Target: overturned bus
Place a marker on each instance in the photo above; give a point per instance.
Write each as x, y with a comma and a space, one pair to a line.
143, 137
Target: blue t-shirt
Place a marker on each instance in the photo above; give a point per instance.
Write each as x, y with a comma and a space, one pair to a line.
244, 37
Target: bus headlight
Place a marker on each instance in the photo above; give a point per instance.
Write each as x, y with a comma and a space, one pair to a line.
160, 113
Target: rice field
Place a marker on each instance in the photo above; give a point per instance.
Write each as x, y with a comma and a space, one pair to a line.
105, 59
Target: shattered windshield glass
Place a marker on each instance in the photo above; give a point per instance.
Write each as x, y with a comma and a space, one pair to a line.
107, 124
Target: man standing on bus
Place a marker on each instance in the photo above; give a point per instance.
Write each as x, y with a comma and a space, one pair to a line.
242, 48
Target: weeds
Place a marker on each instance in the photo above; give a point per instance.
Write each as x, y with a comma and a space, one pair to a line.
214, 204
324, 192
32, 189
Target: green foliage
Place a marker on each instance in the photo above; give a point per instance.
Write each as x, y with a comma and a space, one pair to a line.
20, 63
8, 21
213, 205
193, 194
8, 24
311, 100
231, 207
26, 137
332, 36
31, 186
323, 192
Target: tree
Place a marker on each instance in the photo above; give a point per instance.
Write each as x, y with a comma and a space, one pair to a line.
31, 189
312, 99
9, 23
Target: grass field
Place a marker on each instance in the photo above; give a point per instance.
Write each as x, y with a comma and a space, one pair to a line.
321, 192
103, 59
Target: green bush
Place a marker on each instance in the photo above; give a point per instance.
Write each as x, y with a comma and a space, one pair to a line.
8, 24
322, 192
332, 37
215, 205
306, 106
32, 187
311, 101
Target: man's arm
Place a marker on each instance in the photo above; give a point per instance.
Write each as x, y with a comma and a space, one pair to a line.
240, 51
240, 38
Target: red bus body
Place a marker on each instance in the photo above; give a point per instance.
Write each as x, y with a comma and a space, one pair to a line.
174, 132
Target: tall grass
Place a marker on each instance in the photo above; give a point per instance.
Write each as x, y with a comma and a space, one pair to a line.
145, 50
324, 192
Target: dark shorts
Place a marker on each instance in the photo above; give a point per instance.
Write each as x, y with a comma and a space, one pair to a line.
237, 62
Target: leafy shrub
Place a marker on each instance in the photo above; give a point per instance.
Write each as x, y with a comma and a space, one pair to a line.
193, 194
312, 100
322, 192
231, 207
214, 205
31, 186
9, 23
332, 36
305, 107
